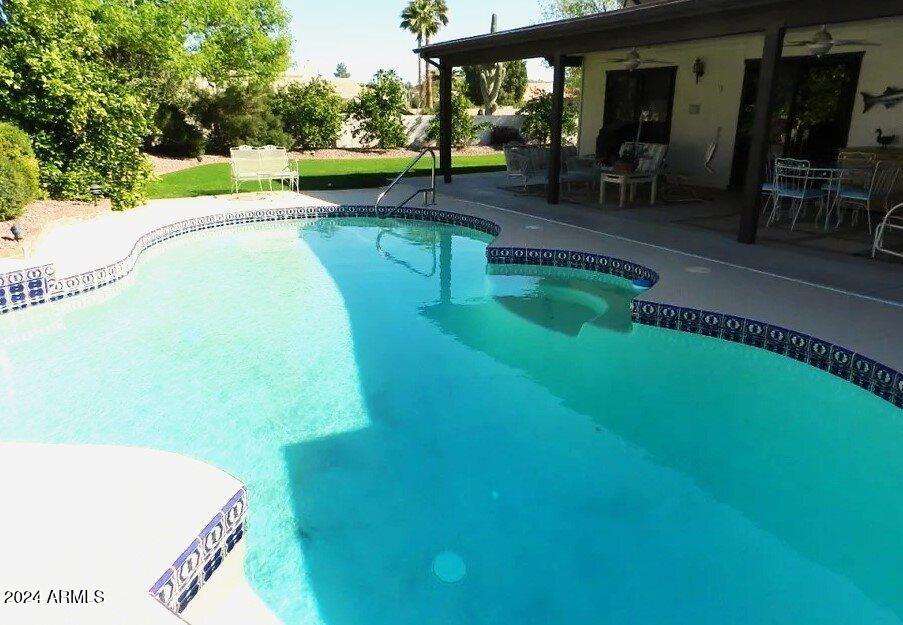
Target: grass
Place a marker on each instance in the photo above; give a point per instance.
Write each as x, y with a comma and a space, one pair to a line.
316, 174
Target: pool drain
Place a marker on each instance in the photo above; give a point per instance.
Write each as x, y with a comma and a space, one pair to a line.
449, 567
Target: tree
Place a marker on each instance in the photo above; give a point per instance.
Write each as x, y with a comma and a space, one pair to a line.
239, 115
84, 78
537, 113
341, 71
562, 9
424, 18
377, 112
464, 131
18, 172
513, 88
312, 113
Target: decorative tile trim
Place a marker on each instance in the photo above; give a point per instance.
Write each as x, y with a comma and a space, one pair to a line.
38, 285
190, 571
19, 289
846, 364
30, 287
877, 378
571, 259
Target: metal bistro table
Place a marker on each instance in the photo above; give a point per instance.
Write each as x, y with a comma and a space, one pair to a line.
628, 182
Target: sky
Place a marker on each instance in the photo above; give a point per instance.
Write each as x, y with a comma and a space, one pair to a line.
364, 34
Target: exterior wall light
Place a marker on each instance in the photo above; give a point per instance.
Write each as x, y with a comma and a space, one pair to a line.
698, 69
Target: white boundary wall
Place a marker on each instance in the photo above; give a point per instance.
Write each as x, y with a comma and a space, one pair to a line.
717, 95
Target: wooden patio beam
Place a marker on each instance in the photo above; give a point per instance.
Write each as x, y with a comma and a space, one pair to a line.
758, 149
553, 191
445, 121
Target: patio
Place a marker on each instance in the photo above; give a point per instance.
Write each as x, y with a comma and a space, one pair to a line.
728, 97
838, 260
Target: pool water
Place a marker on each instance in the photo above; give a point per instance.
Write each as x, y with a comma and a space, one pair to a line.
401, 416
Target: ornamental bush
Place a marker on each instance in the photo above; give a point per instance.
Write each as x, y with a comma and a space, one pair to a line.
177, 135
312, 113
503, 135
18, 172
464, 131
537, 113
377, 112
239, 115
84, 78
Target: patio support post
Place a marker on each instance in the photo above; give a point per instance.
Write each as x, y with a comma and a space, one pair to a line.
758, 149
445, 120
554, 186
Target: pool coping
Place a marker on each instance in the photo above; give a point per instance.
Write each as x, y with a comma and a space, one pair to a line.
180, 583
30, 287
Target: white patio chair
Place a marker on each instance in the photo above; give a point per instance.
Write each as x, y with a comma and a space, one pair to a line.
790, 180
275, 165
865, 190
517, 163
245, 166
893, 221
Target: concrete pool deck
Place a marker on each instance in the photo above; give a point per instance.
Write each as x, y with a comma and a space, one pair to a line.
101, 519
55, 478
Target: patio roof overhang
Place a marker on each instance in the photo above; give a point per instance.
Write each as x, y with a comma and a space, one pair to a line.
670, 21
564, 42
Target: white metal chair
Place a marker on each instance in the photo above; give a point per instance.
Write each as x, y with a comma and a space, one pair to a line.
275, 165
268, 163
800, 184
649, 158
865, 190
893, 221
245, 166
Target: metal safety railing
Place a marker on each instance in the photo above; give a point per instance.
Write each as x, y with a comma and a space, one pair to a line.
429, 193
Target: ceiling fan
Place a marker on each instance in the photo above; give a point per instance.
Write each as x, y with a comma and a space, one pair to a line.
822, 42
633, 60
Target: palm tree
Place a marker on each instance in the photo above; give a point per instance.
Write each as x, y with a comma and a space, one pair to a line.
424, 18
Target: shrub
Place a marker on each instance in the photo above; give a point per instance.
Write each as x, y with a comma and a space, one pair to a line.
18, 172
177, 135
537, 113
84, 78
311, 113
377, 111
514, 85
240, 115
502, 135
464, 131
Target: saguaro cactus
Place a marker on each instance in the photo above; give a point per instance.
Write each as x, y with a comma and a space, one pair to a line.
491, 77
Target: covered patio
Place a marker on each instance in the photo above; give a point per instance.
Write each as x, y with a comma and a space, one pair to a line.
729, 33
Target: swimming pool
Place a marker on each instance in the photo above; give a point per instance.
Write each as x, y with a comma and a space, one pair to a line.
386, 400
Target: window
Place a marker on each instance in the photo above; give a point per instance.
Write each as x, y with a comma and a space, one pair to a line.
630, 93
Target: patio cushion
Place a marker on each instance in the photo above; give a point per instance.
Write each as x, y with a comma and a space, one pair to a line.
799, 193
854, 193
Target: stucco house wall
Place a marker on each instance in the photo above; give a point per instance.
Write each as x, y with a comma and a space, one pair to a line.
718, 93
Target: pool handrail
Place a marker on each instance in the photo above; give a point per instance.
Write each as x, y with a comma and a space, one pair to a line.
429, 193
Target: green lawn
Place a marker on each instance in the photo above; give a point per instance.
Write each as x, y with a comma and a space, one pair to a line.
355, 173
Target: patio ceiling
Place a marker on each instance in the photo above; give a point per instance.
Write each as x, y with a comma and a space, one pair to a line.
666, 22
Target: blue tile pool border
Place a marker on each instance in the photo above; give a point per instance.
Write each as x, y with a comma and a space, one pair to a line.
182, 581
39, 285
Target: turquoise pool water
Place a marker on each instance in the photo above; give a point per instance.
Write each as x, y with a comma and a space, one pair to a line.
386, 399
